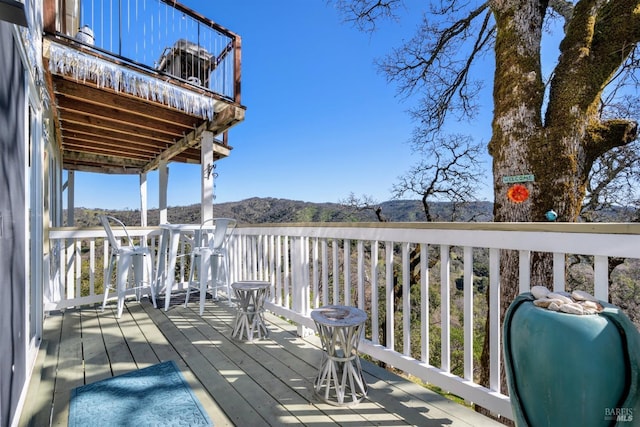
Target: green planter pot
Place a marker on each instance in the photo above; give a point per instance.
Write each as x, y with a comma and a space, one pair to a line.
571, 370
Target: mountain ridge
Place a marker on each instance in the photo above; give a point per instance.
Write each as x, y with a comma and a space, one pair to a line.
259, 210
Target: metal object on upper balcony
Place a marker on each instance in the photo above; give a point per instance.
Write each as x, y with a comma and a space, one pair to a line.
188, 61
85, 35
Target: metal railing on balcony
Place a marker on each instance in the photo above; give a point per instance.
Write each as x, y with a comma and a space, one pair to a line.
419, 283
159, 35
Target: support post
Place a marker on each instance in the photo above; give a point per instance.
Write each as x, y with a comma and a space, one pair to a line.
143, 199
163, 170
70, 198
207, 176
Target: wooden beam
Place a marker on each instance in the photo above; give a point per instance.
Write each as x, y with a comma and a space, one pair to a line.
112, 136
49, 16
116, 117
121, 101
227, 118
95, 147
119, 164
111, 170
109, 125
222, 121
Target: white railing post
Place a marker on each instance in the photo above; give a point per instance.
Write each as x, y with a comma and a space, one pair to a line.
445, 308
375, 270
325, 272
346, 271
361, 274
494, 320
315, 278
390, 307
287, 280
406, 300
336, 272
468, 313
424, 302
558, 271
300, 280
278, 284
601, 278
524, 262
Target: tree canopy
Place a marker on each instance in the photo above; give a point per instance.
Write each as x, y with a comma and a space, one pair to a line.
553, 127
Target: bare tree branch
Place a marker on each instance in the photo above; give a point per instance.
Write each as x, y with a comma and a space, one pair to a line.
430, 63
449, 170
612, 184
363, 14
364, 203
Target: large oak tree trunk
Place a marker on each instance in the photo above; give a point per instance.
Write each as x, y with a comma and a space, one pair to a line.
559, 150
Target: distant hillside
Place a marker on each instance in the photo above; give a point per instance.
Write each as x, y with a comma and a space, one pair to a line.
270, 210
412, 211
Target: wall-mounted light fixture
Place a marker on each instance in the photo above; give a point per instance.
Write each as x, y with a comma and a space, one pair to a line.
209, 170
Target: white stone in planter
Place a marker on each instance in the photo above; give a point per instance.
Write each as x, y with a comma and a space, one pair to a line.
572, 308
583, 296
577, 302
554, 306
563, 298
539, 292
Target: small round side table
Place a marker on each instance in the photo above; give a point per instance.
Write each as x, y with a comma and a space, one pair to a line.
340, 381
249, 323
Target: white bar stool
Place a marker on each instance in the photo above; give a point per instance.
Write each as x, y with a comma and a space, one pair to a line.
214, 257
123, 257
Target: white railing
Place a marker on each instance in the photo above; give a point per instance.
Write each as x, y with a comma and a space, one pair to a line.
77, 262
306, 266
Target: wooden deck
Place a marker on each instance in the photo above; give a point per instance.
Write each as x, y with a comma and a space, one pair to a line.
267, 382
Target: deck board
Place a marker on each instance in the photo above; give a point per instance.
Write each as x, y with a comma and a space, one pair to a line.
266, 382
96, 359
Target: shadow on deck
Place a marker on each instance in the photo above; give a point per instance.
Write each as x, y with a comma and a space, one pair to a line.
267, 382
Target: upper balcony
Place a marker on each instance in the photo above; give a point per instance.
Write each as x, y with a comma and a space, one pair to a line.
135, 83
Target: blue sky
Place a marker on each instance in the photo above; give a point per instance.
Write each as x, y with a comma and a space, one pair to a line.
321, 121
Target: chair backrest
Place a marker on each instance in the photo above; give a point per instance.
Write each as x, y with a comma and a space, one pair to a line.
223, 230
205, 238
113, 241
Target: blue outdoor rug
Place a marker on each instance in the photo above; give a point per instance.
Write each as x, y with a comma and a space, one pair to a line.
154, 396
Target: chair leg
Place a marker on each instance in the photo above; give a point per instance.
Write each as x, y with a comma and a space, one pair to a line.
205, 265
107, 280
124, 265
192, 269
223, 269
143, 273
138, 274
227, 278
149, 266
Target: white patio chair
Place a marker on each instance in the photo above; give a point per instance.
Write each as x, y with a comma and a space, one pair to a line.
124, 257
213, 255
